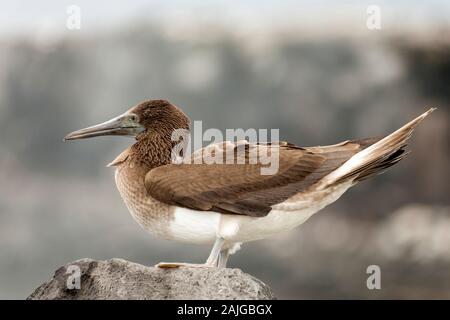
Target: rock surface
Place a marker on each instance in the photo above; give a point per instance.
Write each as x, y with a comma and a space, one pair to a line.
121, 279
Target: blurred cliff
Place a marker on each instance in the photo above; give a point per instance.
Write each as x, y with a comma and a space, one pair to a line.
58, 202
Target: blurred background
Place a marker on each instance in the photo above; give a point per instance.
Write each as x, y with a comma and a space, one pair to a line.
313, 69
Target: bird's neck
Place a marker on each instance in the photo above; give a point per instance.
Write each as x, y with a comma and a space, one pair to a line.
153, 149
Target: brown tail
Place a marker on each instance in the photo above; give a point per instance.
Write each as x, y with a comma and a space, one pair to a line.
376, 158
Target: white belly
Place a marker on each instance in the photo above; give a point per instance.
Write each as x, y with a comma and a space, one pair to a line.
203, 227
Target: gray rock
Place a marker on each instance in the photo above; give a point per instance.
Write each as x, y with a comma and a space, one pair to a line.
121, 279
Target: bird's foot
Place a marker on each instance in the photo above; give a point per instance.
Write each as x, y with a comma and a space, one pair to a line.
169, 265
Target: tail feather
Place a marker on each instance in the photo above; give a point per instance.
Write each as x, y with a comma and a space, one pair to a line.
376, 158
380, 166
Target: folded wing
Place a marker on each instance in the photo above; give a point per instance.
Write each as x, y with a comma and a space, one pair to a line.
240, 188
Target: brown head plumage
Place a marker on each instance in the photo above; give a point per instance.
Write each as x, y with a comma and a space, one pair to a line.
151, 122
160, 115
160, 120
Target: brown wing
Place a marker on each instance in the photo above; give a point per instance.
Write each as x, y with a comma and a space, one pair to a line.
241, 188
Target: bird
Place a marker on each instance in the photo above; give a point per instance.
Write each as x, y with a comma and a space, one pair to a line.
226, 205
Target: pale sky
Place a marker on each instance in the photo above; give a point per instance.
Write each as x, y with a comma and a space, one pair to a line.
21, 17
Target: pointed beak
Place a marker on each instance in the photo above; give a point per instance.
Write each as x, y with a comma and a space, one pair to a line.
123, 125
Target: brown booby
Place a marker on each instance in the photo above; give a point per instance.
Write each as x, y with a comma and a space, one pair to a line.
228, 204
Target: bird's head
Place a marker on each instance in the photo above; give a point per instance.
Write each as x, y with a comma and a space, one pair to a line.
159, 116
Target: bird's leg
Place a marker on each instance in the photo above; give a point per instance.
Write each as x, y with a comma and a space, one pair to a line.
211, 262
213, 258
223, 258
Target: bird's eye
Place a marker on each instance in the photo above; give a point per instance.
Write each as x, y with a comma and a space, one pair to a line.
134, 118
